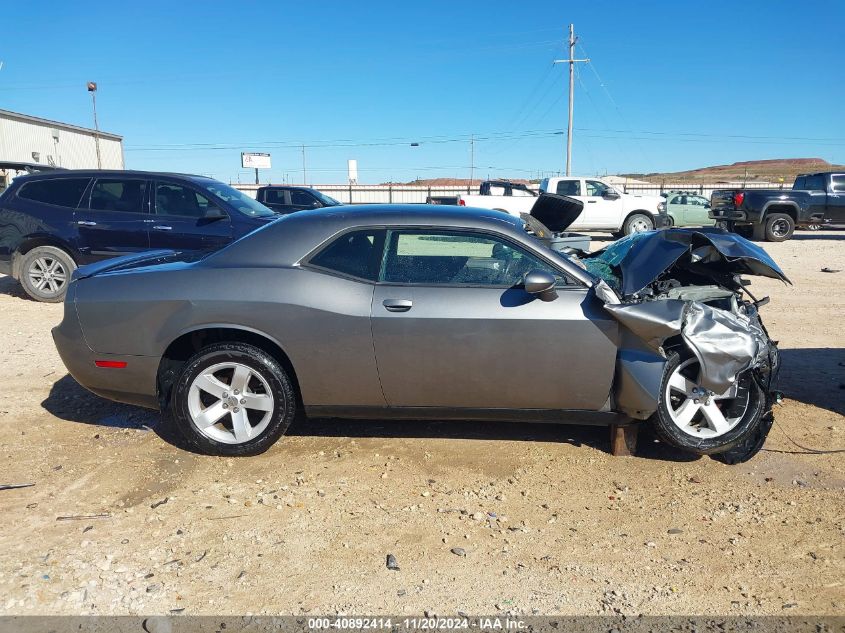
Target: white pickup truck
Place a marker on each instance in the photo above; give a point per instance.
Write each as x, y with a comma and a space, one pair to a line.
605, 208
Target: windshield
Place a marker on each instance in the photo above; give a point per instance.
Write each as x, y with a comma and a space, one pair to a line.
239, 200
326, 200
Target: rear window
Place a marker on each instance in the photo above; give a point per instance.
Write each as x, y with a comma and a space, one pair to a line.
814, 183
62, 192
357, 254
839, 183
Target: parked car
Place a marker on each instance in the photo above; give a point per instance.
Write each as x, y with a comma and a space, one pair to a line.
52, 222
686, 208
284, 199
413, 312
605, 208
773, 214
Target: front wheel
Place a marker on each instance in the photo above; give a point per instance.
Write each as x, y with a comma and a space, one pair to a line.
232, 399
638, 223
694, 419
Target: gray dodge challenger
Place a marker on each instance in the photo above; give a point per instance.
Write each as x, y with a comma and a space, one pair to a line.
431, 312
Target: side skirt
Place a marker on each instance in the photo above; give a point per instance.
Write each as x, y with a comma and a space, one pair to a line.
552, 416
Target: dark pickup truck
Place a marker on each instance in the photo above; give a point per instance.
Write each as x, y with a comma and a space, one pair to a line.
773, 214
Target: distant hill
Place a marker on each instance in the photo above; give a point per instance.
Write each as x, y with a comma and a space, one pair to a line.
750, 170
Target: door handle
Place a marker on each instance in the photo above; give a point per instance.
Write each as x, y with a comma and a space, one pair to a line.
86, 223
162, 227
591, 201
397, 305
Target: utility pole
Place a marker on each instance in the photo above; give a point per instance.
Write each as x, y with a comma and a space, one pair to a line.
92, 88
304, 176
571, 61
471, 158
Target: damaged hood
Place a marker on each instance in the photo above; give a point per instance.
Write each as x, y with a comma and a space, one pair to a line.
556, 212
634, 262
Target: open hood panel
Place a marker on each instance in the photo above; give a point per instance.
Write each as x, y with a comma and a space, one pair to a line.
556, 212
632, 263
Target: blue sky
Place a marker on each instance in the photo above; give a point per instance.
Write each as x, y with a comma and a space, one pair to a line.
671, 85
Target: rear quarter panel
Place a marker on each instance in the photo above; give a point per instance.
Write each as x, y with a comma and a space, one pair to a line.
321, 322
21, 220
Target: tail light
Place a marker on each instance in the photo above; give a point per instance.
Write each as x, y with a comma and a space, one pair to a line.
739, 198
461, 202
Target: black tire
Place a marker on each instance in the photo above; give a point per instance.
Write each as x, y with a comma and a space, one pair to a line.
637, 219
751, 418
260, 363
778, 227
750, 446
45, 273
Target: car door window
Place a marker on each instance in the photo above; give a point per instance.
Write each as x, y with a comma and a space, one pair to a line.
302, 199
838, 183
676, 200
171, 199
569, 188
118, 194
63, 192
354, 254
459, 259
596, 188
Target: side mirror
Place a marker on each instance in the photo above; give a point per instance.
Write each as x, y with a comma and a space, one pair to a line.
214, 214
611, 195
541, 284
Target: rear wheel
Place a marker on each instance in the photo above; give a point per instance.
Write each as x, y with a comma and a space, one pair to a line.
638, 223
778, 227
45, 273
232, 399
700, 421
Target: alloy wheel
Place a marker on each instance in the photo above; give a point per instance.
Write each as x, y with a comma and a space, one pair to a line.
699, 412
230, 403
48, 275
640, 226
780, 228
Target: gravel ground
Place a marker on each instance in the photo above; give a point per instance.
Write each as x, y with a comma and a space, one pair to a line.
481, 518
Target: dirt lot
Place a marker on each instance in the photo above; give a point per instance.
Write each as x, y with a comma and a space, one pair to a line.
548, 521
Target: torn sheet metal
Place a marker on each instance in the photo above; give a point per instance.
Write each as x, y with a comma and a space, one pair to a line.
652, 321
632, 263
725, 344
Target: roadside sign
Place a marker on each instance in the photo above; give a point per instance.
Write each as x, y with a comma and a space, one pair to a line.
255, 160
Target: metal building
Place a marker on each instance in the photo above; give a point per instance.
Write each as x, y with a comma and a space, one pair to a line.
29, 139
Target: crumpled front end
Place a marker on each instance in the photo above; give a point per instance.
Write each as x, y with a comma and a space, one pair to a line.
696, 304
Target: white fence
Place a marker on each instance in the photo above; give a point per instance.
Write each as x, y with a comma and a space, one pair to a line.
417, 194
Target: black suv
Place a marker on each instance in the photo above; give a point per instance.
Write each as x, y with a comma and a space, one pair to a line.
52, 222
284, 200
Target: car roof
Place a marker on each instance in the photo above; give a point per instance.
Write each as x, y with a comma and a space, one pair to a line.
297, 234
409, 215
287, 187
291, 238
94, 173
